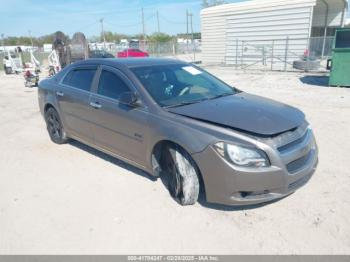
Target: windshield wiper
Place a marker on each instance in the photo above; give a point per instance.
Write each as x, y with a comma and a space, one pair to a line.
198, 101
184, 104
219, 96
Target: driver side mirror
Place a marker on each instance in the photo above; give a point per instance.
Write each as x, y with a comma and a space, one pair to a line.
130, 98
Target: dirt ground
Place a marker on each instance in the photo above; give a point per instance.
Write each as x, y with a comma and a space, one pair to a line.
71, 199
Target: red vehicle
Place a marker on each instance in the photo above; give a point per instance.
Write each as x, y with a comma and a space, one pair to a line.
132, 52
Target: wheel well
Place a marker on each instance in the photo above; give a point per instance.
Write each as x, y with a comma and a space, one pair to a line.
157, 152
47, 106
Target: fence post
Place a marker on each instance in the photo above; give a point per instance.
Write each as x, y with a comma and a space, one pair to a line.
194, 51
272, 53
308, 55
263, 53
236, 53
242, 54
324, 42
286, 54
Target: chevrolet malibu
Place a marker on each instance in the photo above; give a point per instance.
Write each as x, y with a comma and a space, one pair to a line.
173, 119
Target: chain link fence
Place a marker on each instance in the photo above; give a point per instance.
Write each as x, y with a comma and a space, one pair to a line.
280, 54
183, 51
275, 54
188, 51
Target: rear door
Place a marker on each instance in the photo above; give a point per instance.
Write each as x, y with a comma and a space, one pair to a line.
119, 128
74, 101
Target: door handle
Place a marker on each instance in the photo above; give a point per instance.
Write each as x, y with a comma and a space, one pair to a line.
59, 93
95, 105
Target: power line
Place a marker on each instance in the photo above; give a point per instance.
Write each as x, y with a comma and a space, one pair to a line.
108, 12
130, 25
174, 22
118, 25
86, 26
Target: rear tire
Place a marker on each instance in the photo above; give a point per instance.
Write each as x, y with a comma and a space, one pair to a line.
55, 127
182, 175
306, 65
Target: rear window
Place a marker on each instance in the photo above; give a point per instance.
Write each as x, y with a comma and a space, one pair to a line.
80, 78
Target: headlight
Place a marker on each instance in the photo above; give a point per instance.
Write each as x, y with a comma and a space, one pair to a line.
242, 156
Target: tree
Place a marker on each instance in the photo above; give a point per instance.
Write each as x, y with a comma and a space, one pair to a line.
196, 35
207, 3
160, 37
114, 37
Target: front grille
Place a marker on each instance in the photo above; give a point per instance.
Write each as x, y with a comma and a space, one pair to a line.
292, 144
298, 164
302, 181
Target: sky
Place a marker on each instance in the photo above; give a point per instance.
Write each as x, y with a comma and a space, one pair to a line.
40, 17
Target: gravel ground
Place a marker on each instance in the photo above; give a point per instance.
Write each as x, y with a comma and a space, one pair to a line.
71, 199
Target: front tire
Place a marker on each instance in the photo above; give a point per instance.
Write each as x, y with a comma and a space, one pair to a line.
182, 175
55, 127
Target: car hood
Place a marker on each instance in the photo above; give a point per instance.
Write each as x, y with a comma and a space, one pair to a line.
245, 112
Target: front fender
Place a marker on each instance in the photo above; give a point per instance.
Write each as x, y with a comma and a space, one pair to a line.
190, 139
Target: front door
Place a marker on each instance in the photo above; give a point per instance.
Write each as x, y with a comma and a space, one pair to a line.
119, 128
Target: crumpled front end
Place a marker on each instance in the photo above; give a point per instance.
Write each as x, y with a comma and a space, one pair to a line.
293, 156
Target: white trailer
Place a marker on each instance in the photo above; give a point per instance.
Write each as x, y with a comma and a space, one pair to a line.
12, 63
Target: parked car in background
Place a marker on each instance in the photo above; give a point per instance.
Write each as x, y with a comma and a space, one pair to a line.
177, 121
100, 54
132, 52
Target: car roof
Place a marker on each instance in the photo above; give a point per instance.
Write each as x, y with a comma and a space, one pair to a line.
131, 62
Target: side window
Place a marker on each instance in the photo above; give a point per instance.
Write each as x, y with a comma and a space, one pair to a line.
68, 77
110, 85
80, 78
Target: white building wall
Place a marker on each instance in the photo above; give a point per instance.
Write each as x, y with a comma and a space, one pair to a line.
254, 22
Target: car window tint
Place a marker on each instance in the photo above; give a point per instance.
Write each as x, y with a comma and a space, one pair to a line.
110, 85
80, 78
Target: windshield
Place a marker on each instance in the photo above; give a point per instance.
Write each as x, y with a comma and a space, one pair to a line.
177, 85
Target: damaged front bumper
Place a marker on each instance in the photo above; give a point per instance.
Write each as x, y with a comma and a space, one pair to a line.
292, 165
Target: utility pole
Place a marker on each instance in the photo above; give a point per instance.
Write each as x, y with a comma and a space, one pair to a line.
143, 25
158, 21
3, 42
103, 34
187, 29
30, 36
192, 33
